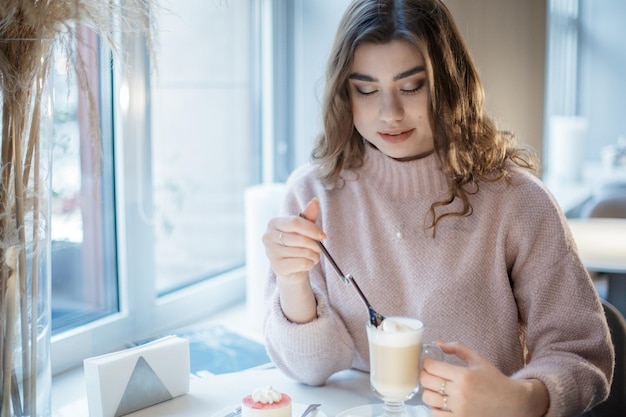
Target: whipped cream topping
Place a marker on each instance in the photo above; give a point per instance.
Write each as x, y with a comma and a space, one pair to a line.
389, 325
266, 395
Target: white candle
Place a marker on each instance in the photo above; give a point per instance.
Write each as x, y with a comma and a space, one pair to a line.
568, 135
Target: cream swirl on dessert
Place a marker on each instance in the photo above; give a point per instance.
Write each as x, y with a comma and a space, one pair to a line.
266, 395
266, 402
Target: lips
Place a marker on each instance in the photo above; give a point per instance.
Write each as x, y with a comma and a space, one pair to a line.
396, 136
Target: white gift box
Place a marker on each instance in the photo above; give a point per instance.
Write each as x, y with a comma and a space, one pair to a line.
129, 380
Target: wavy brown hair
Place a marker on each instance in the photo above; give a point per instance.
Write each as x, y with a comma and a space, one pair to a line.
467, 142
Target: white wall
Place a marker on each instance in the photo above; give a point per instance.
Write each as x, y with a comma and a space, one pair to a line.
602, 96
507, 39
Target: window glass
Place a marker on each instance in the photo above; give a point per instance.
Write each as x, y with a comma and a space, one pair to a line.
84, 281
149, 233
562, 68
203, 151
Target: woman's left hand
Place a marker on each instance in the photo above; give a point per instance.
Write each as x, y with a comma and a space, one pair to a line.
478, 389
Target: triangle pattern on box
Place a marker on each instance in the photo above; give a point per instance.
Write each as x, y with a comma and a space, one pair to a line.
144, 389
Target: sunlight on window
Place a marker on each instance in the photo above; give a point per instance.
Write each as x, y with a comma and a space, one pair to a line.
203, 152
81, 290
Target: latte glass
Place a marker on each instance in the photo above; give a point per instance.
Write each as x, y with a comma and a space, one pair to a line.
396, 354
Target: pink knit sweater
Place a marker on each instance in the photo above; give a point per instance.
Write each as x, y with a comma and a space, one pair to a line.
507, 273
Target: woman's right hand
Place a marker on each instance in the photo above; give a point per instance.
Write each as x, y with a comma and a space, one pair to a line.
292, 249
290, 242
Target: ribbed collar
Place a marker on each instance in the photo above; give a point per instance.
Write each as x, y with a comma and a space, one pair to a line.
403, 179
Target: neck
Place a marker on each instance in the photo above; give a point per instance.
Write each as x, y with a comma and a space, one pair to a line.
419, 176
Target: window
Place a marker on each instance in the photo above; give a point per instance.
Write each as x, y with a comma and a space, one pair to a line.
152, 236
562, 71
203, 152
586, 62
564, 130
84, 266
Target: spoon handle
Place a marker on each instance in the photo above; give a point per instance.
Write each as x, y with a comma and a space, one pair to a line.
375, 318
343, 277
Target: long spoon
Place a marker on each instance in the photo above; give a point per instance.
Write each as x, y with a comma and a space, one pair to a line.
375, 317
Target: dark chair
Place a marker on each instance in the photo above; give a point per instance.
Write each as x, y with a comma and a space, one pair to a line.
609, 200
615, 405
606, 207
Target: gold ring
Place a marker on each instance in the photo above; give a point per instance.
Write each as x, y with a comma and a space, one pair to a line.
280, 239
442, 390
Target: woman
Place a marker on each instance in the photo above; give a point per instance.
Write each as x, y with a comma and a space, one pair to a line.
438, 216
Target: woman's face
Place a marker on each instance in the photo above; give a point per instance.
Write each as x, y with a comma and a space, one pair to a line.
390, 98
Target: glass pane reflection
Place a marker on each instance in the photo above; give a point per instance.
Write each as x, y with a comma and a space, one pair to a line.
84, 279
203, 154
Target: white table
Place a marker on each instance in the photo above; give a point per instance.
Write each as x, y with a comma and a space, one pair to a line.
212, 393
215, 392
601, 243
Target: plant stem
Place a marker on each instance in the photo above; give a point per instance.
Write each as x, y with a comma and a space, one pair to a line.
9, 301
34, 149
20, 125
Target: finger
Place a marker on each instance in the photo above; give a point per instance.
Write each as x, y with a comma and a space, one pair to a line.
440, 370
277, 252
437, 412
289, 245
436, 401
273, 238
292, 266
467, 355
431, 382
311, 210
310, 213
287, 260
293, 231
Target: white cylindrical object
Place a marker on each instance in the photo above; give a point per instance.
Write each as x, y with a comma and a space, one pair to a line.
262, 203
568, 135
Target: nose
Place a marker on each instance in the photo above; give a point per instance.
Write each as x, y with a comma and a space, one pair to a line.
391, 108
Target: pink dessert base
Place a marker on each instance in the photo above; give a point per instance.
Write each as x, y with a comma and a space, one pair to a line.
249, 402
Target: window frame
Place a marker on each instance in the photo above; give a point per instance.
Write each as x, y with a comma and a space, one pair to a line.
562, 61
142, 313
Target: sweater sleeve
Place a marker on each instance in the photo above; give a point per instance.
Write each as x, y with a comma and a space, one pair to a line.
566, 333
309, 352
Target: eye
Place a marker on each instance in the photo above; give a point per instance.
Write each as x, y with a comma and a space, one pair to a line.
412, 89
364, 90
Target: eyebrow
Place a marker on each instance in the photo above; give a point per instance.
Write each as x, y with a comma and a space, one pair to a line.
368, 78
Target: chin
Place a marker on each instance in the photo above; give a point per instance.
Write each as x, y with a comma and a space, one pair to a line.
400, 155
394, 151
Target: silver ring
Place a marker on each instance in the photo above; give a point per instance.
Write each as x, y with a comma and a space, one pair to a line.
445, 404
280, 239
442, 390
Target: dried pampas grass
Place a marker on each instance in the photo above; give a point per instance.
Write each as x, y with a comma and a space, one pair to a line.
29, 32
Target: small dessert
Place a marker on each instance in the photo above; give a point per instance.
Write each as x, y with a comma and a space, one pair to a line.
266, 402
